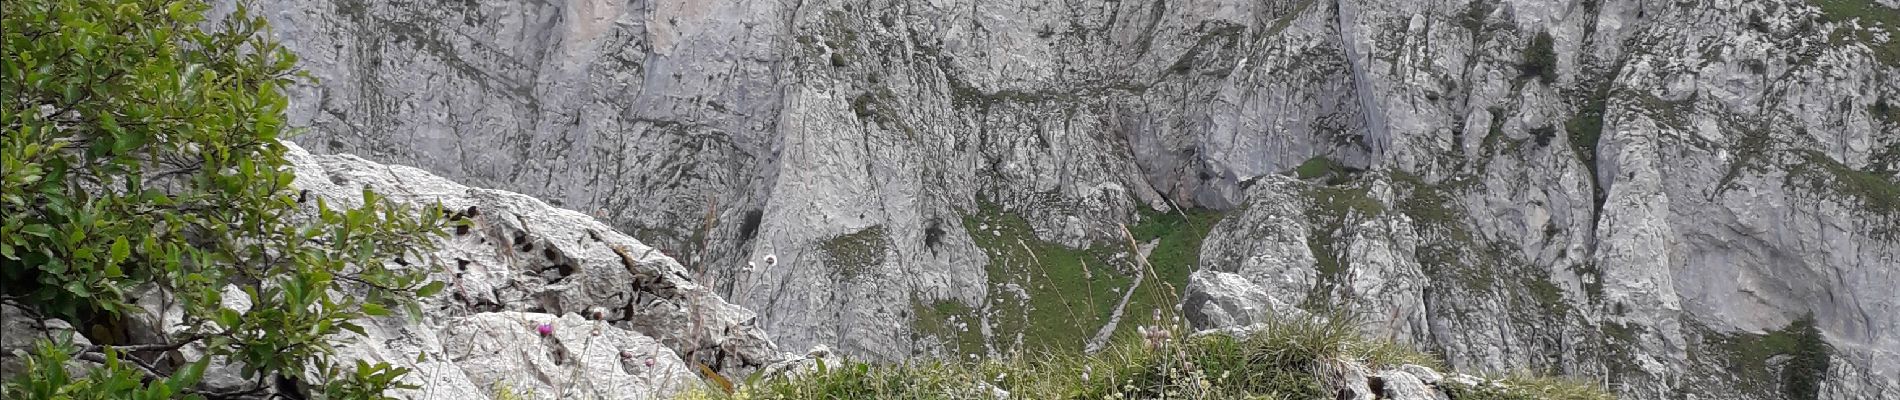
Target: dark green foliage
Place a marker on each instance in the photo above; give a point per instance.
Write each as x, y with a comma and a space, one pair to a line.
45, 377
1475, 15
1540, 59
1543, 135
749, 226
1585, 129
140, 150
1801, 377
1803, 359
1336, 173
933, 235
1885, 112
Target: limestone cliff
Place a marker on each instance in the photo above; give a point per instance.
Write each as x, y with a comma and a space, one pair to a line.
1644, 191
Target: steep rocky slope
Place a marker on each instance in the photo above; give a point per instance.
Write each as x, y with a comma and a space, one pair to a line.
539, 302
1648, 192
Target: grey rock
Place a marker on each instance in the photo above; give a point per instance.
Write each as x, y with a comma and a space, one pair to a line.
1403, 385
1733, 187
23, 331
1424, 375
523, 254
1351, 381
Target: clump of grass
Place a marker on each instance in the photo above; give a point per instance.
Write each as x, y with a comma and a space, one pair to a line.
1283, 359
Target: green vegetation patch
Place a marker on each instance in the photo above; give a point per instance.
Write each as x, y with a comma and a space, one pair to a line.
1334, 172
1869, 14
1277, 362
1546, 294
142, 153
1540, 59
1070, 292
1885, 111
1175, 256
1333, 209
1877, 192
1586, 127
1798, 351
1450, 253
1528, 387
857, 253
1751, 149
1664, 112
950, 321
1217, 35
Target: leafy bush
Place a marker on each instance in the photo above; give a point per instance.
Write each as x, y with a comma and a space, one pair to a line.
141, 158
1540, 59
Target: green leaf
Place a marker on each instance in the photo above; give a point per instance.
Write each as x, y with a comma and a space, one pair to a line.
190, 374
415, 312
228, 317
120, 250
78, 288
375, 310
41, 230
430, 289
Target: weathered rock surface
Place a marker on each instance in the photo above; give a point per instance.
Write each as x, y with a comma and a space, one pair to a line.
625, 320
1675, 179
21, 333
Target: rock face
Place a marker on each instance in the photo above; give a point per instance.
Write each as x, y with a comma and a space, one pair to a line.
23, 331
1641, 191
622, 320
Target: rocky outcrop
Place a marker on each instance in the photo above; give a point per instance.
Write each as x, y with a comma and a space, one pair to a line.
23, 331
623, 320
540, 302
1668, 181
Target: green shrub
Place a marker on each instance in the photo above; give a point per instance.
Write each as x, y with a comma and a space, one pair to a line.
1801, 377
1540, 59
1751, 357
142, 151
